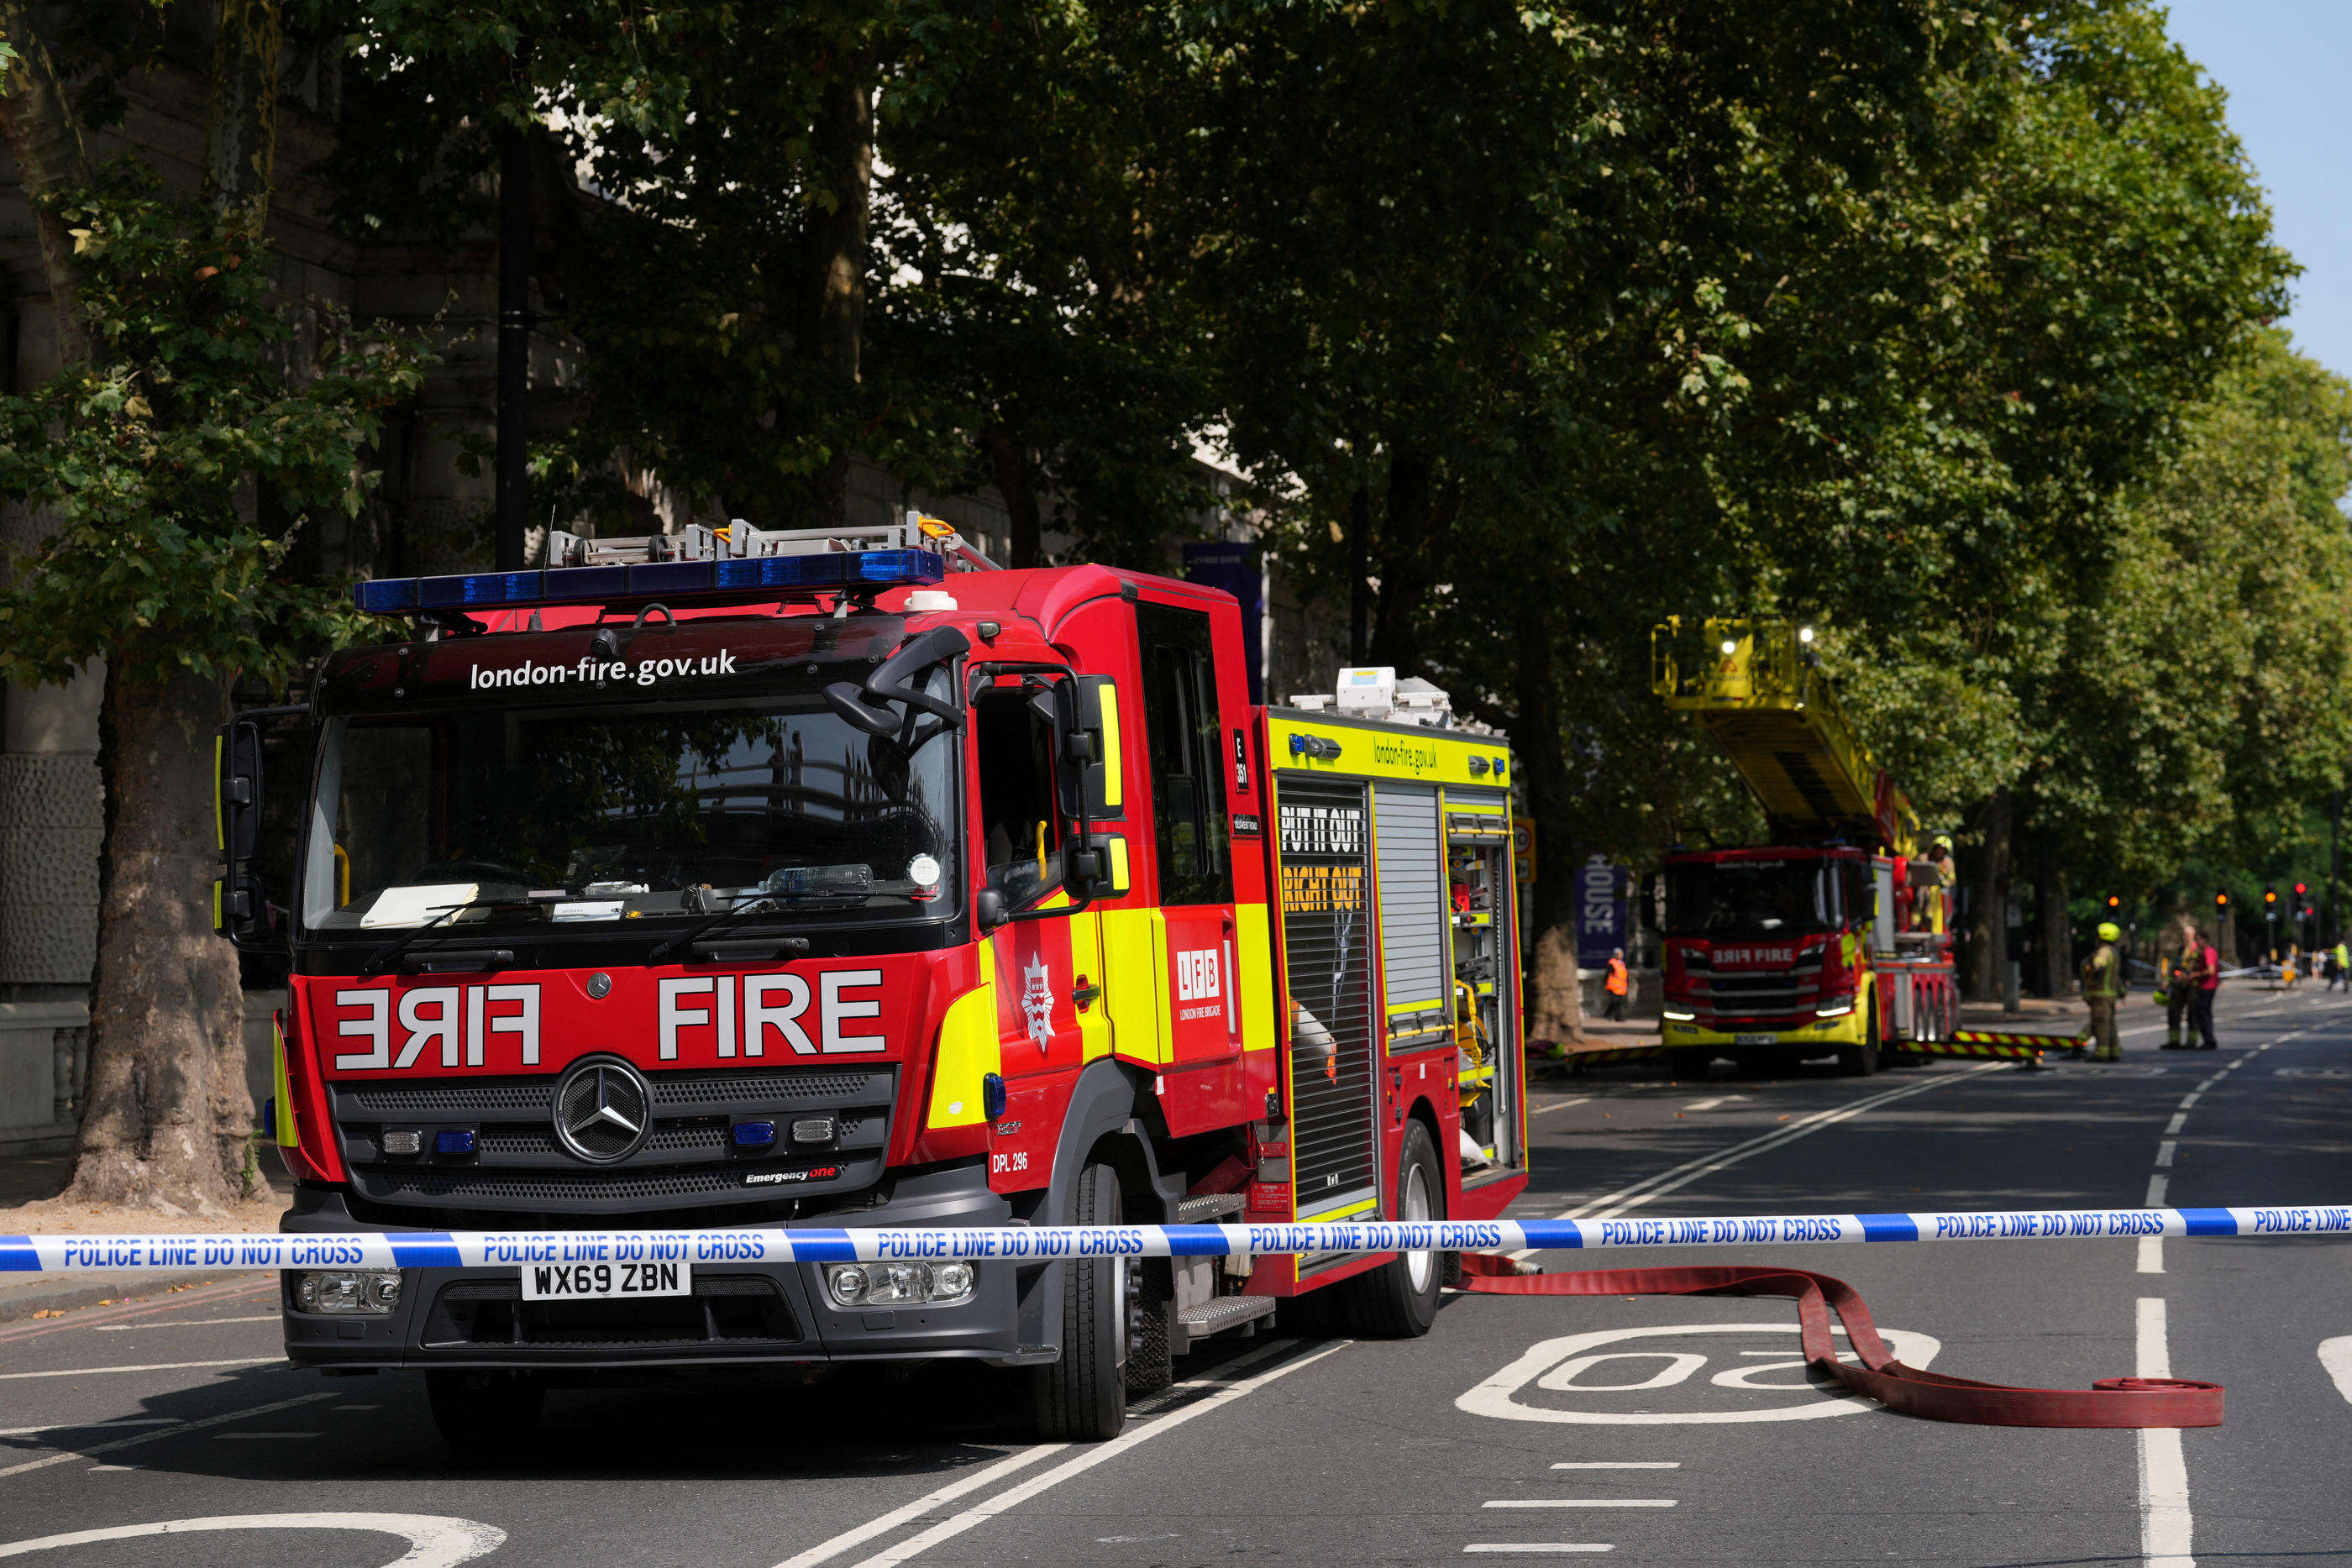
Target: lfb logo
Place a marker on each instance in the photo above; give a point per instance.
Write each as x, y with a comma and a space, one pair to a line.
1197, 976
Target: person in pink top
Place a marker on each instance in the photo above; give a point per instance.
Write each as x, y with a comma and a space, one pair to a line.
2206, 976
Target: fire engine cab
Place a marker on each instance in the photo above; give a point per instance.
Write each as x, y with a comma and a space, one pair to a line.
839, 878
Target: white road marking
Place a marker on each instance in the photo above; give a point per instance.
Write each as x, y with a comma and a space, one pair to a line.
1626, 1464
188, 1322
2151, 1256
1580, 1502
1713, 1100
2156, 1186
982, 1512
1666, 1181
826, 1550
2179, 1119
151, 1366
1538, 1548
88, 1425
1561, 1104
2336, 1356
2164, 1152
1497, 1395
2166, 1526
435, 1541
173, 1430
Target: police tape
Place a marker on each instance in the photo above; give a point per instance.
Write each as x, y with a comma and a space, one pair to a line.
1029, 1244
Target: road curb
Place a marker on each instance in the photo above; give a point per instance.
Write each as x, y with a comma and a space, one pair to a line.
19, 1302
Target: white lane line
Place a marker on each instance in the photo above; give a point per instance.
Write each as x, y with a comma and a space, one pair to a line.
88, 1425
2164, 1152
1539, 1548
1580, 1502
1666, 1181
2166, 1526
2151, 1256
827, 1550
1713, 1100
2179, 1119
2156, 1186
151, 1366
171, 1431
1634, 1464
188, 1322
2336, 1357
1013, 1497
2188, 1100
1561, 1104
435, 1541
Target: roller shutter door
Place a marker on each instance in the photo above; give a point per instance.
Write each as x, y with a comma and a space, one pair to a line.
1409, 859
1327, 957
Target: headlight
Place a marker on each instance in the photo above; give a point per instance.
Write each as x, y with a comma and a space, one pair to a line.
1838, 1008
373, 1291
899, 1284
1677, 1016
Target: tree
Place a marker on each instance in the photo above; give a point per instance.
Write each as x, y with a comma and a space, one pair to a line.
175, 462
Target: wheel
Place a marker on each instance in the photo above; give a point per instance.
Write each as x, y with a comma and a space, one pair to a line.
1399, 1299
485, 1412
1861, 1060
1082, 1397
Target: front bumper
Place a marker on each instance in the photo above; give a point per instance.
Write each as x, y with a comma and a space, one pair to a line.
1821, 1035
741, 1313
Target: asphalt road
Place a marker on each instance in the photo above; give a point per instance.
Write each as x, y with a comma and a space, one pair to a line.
1657, 1430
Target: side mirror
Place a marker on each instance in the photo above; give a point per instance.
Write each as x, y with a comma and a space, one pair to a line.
988, 909
242, 910
1092, 745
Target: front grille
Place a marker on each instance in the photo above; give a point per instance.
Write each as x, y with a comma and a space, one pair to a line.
724, 1309
689, 1157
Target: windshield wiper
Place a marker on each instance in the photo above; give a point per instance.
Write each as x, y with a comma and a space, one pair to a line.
797, 885
381, 959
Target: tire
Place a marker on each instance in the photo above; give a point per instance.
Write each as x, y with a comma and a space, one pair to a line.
1861, 1060
1081, 1397
1399, 1299
485, 1412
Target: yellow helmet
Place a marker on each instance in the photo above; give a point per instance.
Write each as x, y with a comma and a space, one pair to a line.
2109, 931
1943, 841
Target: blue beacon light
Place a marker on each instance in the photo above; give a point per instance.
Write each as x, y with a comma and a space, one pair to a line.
838, 569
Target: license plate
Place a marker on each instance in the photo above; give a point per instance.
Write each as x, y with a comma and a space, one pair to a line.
605, 1282
1755, 1040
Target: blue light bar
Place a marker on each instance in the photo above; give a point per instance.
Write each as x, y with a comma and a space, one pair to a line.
754, 1135
873, 568
454, 1143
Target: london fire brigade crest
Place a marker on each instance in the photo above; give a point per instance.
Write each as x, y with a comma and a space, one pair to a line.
1037, 1002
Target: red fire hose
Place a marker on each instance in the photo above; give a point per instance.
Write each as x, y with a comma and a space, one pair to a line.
2110, 1402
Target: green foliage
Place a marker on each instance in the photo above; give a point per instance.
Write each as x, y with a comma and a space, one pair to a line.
179, 463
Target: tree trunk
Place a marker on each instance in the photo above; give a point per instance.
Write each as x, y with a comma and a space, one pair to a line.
1359, 575
1556, 1009
834, 249
44, 136
1016, 481
2054, 897
168, 1111
1987, 926
1409, 560
241, 114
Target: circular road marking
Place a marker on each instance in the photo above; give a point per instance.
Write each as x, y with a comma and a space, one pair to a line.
1558, 1367
435, 1541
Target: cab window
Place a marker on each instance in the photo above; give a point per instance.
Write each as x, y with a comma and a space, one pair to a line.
1020, 832
1188, 785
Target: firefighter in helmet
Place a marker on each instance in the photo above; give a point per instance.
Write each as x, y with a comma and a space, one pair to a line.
2102, 987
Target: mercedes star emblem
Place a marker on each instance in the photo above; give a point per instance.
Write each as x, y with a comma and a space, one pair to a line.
603, 1110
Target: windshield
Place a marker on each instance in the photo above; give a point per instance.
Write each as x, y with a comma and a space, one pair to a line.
595, 815
1753, 898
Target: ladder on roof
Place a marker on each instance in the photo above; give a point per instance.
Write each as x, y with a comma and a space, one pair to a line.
1756, 687
739, 540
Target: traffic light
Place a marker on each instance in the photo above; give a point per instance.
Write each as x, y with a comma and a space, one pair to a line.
2269, 900
2221, 901
2114, 902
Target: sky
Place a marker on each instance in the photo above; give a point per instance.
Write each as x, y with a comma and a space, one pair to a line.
2287, 66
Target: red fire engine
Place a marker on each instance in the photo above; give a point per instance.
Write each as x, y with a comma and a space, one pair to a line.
839, 878
1834, 940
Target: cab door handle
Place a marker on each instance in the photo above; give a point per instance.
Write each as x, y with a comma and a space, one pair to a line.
1083, 995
